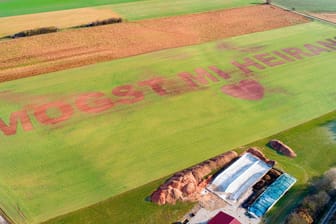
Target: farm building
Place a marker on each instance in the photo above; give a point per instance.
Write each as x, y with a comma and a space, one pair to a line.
252, 183
236, 180
271, 195
223, 218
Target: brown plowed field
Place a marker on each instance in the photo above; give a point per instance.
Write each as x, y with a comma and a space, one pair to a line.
52, 52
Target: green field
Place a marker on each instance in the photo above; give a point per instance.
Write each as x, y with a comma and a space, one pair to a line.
119, 208
315, 144
163, 8
129, 9
51, 171
19, 7
308, 5
311, 141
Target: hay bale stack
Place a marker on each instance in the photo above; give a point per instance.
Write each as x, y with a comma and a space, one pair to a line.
282, 148
186, 185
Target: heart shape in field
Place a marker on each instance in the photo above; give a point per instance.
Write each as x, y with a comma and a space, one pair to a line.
246, 89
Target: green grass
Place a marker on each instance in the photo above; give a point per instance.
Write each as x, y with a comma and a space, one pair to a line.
307, 140
129, 207
52, 171
315, 145
308, 5
163, 8
129, 9
19, 7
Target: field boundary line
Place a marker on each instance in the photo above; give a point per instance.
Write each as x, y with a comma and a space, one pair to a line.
304, 14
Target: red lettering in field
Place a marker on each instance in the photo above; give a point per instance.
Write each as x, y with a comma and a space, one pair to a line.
315, 50
41, 113
95, 102
219, 72
283, 56
156, 85
246, 64
269, 60
201, 77
332, 41
296, 52
128, 91
329, 44
14, 119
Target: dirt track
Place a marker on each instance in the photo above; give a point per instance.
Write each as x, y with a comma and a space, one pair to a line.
327, 16
52, 52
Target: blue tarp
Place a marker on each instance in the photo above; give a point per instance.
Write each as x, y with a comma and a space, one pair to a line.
271, 195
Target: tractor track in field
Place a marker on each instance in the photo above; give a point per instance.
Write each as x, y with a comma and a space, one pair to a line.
37, 55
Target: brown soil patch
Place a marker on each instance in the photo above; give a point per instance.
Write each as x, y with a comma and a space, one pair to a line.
60, 19
52, 52
327, 16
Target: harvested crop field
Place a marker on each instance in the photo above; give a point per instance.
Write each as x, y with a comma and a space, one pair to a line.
47, 53
327, 16
60, 19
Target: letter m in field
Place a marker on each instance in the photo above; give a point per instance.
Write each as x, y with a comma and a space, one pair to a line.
202, 77
14, 120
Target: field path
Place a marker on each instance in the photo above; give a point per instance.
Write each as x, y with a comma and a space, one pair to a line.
53, 52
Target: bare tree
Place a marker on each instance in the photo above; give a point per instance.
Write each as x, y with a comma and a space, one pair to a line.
327, 182
316, 203
299, 217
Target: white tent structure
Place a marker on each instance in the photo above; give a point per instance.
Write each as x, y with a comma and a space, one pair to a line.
238, 178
